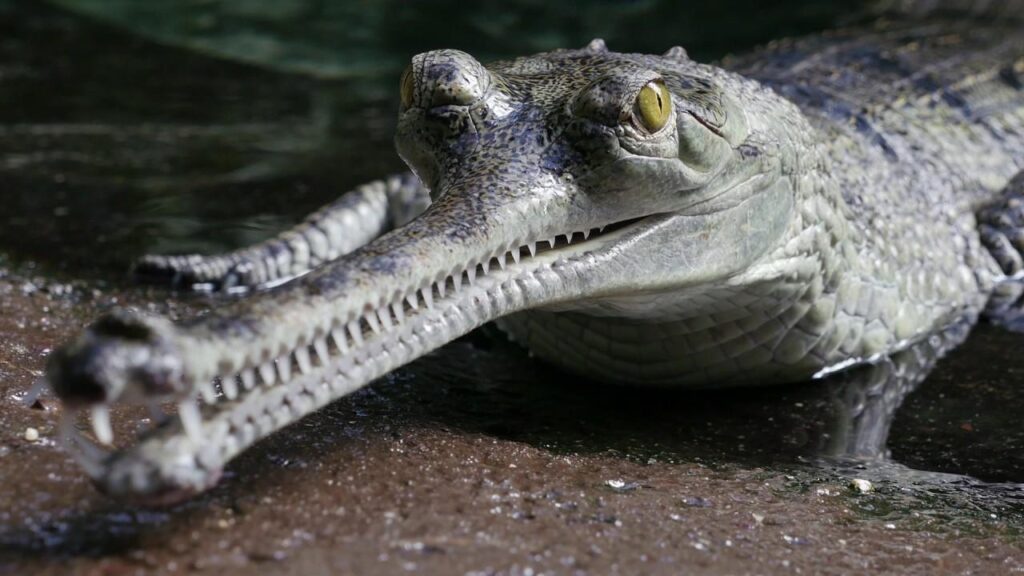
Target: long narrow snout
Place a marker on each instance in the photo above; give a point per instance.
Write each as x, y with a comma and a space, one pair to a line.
261, 363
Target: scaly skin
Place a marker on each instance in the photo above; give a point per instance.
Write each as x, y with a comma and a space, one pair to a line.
811, 209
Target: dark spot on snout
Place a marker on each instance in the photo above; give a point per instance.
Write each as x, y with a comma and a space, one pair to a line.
123, 325
117, 349
72, 373
748, 152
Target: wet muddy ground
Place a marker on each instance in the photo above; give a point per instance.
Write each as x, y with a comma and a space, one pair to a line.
474, 460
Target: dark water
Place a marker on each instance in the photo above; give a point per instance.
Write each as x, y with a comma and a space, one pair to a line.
113, 145
129, 128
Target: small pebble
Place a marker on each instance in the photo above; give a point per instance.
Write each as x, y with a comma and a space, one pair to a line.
31, 434
621, 486
861, 485
697, 502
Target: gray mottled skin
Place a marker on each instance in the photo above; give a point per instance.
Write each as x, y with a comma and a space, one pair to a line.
811, 208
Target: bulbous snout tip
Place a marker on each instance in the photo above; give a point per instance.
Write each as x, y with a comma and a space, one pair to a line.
443, 78
122, 355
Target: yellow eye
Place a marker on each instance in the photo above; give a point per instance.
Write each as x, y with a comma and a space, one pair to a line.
406, 87
654, 106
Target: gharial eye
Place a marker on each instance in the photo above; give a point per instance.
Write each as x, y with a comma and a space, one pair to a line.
653, 106
406, 87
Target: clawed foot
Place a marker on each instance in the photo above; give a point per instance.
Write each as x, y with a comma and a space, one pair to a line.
195, 272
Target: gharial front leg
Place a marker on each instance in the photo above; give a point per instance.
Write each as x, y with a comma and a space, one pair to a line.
1001, 226
338, 228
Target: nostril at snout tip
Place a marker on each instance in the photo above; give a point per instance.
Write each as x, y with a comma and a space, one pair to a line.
76, 380
122, 356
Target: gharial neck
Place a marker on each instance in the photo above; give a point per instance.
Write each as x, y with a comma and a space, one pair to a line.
843, 283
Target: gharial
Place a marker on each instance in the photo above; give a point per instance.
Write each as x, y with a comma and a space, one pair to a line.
640, 219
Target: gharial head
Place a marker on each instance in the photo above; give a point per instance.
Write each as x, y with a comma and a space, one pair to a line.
557, 179
581, 139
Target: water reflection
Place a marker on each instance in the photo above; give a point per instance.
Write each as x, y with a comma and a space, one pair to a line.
865, 399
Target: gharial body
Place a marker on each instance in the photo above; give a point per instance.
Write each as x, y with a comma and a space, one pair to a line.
633, 218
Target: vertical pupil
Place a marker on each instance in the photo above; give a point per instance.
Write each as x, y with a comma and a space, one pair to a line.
406, 87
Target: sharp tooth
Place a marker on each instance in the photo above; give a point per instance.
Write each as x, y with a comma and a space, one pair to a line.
600, 230
374, 323
412, 300
428, 297
322, 392
356, 331
208, 393
230, 387
101, 424
284, 368
264, 423
385, 318
247, 432
300, 404
457, 282
441, 287
303, 360
471, 275
586, 233
340, 340
552, 242
515, 255
267, 373
396, 308
501, 262
191, 421
532, 247
320, 347
248, 378
282, 416
485, 267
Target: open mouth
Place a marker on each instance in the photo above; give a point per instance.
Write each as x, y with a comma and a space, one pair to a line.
185, 449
